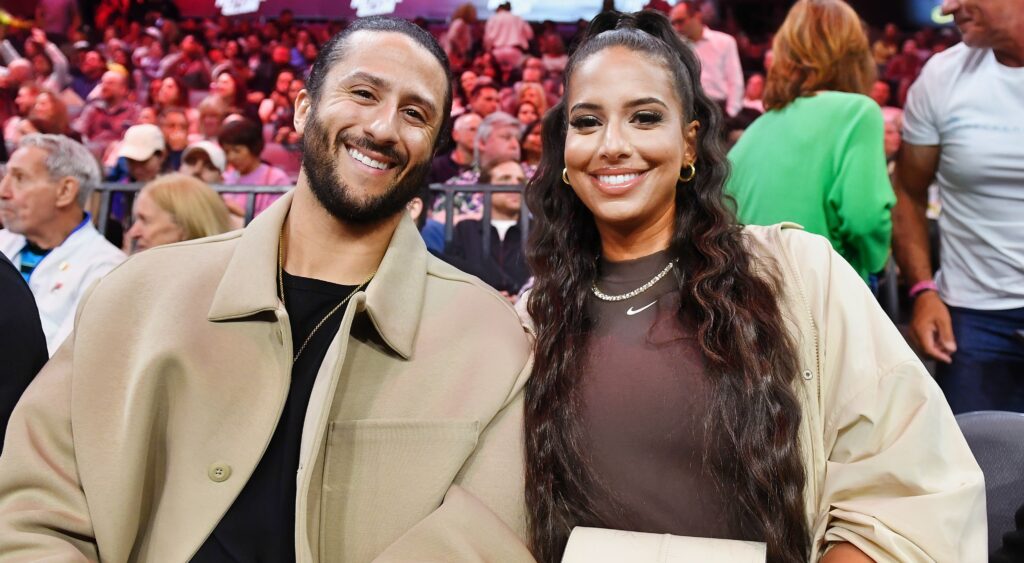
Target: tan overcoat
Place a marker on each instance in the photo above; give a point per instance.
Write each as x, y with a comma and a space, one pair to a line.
137, 437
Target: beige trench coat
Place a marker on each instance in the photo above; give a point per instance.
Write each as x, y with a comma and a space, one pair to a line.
887, 467
137, 437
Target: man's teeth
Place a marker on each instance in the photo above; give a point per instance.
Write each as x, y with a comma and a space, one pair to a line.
618, 179
367, 160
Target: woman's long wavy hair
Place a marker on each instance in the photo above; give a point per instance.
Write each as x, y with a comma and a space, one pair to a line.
754, 415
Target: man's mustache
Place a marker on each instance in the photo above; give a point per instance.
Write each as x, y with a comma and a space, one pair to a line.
388, 152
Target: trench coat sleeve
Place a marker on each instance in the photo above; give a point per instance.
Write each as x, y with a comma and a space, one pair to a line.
44, 515
482, 517
900, 481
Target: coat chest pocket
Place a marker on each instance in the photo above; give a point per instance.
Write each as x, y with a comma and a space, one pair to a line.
383, 476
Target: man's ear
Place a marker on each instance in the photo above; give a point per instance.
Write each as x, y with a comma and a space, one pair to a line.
303, 103
67, 192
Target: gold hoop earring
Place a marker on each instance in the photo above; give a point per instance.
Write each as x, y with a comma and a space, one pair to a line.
689, 177
565, 176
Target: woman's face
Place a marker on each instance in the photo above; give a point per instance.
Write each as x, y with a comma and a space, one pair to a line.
152, 225
25, 99
531, 95
527, 113
169, 93
43, 108
224, 86
627, 140
294, 88
147, 115
468, 81
532, 142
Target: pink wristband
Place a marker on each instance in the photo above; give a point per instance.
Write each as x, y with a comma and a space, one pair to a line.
921, 287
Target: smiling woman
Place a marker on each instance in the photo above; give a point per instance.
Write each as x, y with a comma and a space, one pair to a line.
693, 377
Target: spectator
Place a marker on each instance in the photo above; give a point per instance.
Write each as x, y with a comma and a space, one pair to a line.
279, 102
212, 112
242, 141
903, 69
89, 74
530, 141
174, 208
145, 152
505, 268
483, 101
459, 160
23, 104
816, 157
58, 18
497, 139
232, 92
881, 93
204, 160
533, 93
720, 72
174, 125
268, 71
507, 37
47, 233
552, 49
458, 41
886, 46
22, 342
172, 93
961, 129
189, 64
49, 115
526, 112
893, 118
50, 66
105, 119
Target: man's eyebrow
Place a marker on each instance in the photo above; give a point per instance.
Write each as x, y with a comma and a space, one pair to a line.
375, 81
382, 84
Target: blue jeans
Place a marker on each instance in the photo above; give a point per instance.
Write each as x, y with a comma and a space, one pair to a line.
987, 372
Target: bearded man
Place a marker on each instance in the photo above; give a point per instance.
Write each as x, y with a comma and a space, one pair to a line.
316, 387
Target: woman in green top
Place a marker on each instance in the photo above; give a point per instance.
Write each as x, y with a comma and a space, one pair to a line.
817, 156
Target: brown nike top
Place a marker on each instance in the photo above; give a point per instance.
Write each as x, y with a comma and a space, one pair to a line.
644, 399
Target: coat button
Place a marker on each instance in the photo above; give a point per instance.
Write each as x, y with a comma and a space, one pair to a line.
808, 375
219, 472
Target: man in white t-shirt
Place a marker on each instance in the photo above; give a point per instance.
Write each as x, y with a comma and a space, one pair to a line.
720, 72
964, 128
507, 36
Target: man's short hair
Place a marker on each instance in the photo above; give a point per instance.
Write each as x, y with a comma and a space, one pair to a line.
334, 50
480, 88
488, 125
66, 157
245, 132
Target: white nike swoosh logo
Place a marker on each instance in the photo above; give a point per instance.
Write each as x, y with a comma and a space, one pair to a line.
631, 312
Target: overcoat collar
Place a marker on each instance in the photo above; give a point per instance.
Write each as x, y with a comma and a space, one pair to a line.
393, 301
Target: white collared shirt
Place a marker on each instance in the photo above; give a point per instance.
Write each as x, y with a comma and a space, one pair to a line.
721, 74
60, 280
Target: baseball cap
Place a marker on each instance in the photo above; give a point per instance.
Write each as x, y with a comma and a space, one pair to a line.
212, 150
141, 141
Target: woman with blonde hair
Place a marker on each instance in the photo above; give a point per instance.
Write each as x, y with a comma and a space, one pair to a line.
816, 156
174, 208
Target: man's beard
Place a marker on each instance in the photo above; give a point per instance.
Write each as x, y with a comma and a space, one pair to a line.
319, 159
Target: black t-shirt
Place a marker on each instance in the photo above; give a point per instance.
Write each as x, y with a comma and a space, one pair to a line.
22, 343
260, 525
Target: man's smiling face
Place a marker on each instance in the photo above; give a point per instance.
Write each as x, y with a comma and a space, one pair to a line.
369, 138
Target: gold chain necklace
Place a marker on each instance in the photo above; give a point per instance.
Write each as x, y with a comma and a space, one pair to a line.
280, 294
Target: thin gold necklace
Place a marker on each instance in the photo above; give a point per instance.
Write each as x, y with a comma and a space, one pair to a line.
280, 294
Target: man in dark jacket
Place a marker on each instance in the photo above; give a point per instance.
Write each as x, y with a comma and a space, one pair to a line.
505, 268
22, 344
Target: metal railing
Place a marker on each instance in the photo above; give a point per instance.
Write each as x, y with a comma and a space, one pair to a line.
106, 191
